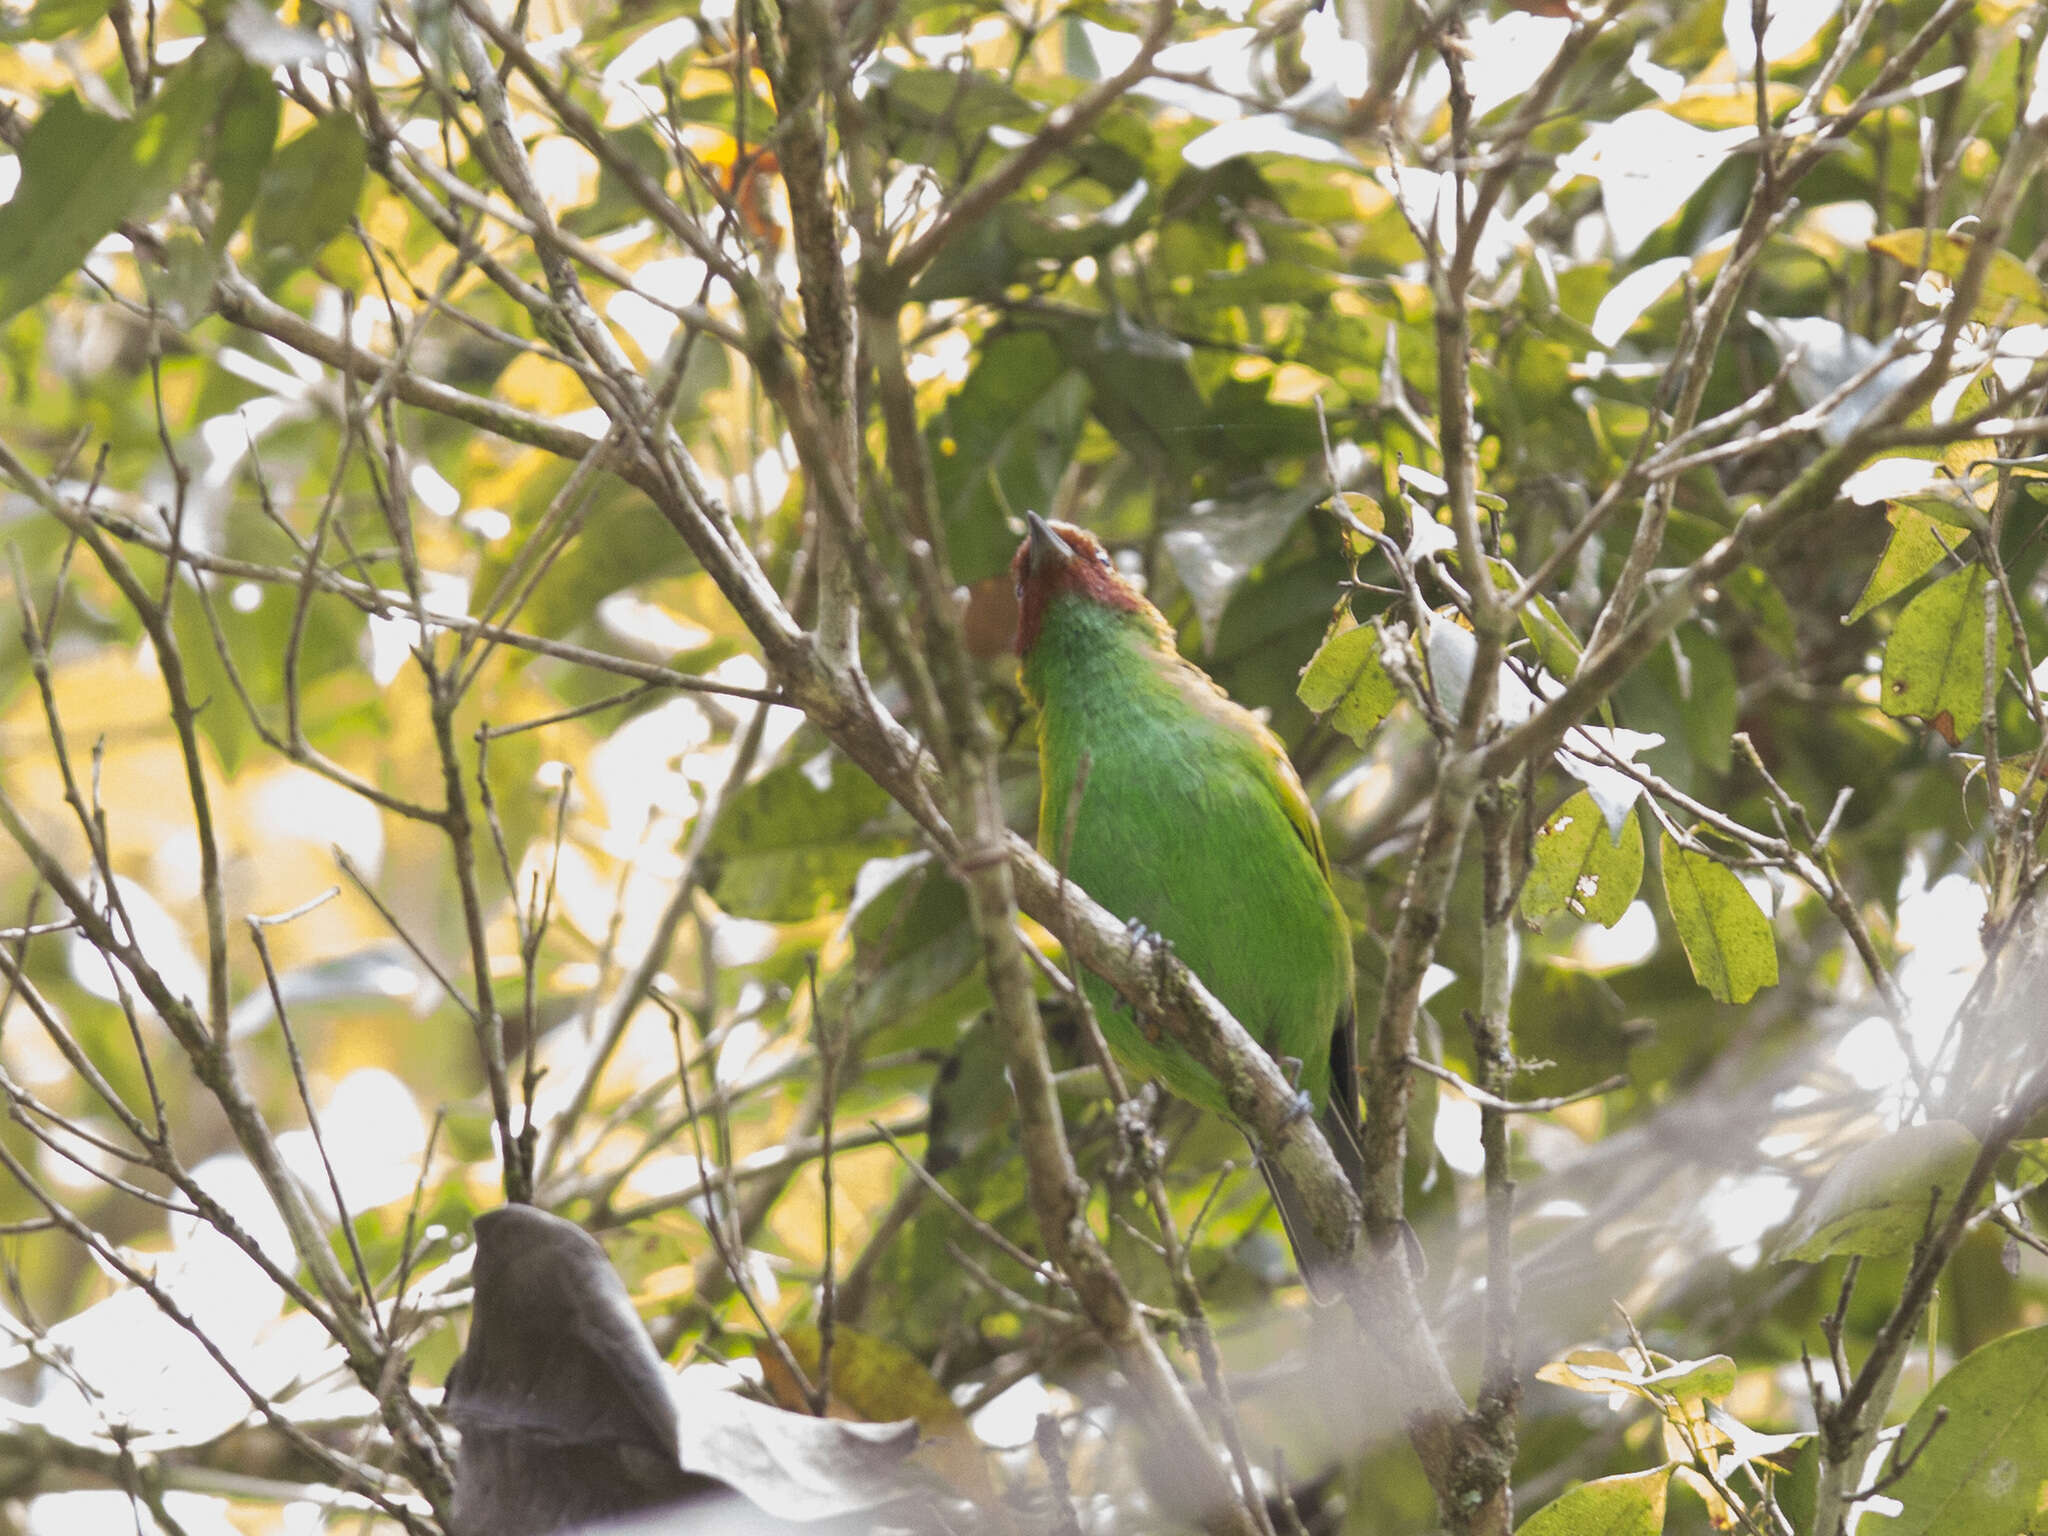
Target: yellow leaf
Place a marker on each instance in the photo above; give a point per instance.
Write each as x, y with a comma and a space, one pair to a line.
877, 1381
532, 383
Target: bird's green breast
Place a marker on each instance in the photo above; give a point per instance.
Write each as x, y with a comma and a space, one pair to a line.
1183, 825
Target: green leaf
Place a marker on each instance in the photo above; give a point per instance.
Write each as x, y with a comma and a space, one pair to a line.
977, 263
789, 844
54, 18
1578, 867
1913, 550
1001, 445
914, 942
1984, 1471
1556, 646
1217, 547
1797, 1485
2011, 295
83, 174
1727, 938
1631, 1504
970, 1096
1144, 390
182, 287
962, 103
1347, 678
1693, 681
241, 150
308, 193
1934, 661
1078, 52
1877, 1199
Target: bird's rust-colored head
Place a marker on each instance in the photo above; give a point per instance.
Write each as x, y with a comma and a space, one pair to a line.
1056, 558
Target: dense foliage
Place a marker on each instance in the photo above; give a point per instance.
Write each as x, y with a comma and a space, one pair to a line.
510, 696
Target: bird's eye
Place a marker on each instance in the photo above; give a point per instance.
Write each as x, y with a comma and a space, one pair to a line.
1102, 557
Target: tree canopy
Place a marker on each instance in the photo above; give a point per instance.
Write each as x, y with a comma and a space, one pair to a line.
510, 697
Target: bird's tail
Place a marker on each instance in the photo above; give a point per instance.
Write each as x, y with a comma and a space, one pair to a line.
1320, 1266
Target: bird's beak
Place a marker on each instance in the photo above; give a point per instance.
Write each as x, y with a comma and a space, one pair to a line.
1048, 550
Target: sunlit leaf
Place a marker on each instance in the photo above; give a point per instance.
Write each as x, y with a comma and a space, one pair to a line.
266, 40
1661, 1377
2011, 295
1591, 753
1595, 1370
1270, 133
83, 174
1825, 356
1364, 509
1713, 1377
1649, 164
1627, 300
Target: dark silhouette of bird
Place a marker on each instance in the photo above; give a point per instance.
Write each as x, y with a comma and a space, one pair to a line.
569, 1419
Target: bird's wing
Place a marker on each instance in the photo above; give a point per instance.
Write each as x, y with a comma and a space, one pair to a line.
1294, 798
1206, 695
611, 1330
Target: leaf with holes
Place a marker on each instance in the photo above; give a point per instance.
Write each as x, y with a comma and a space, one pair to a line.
1579, 867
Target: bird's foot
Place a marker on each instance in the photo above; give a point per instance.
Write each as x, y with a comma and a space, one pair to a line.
1303, 1107
1143, 935
1134, 1118
1290, 1068
1147, 940
1157, 946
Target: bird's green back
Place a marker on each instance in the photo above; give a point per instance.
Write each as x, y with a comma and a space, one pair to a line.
1192, 823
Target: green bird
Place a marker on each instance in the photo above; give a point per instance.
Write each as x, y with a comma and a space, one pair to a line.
1193, 824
